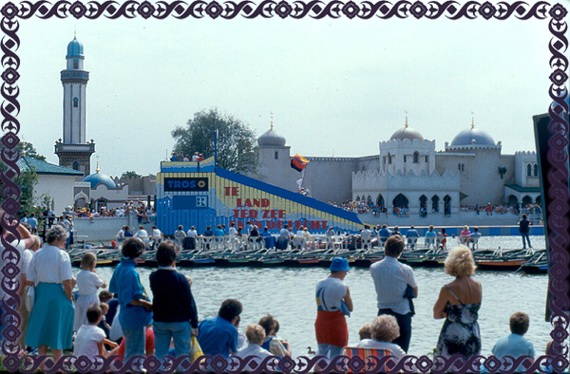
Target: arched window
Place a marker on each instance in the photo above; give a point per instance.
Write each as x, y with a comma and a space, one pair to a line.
75, 165
380, 200
528, 170
447, 205
423, 201
405, 158
276, 155
400, 201
536, 170
416, 157
75, 102
435, 203
389, 159
75, 63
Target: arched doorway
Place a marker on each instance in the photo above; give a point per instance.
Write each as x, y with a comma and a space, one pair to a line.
526, 201
447, 205
435, 204
513, 201
423, 206
380, 201
400, 201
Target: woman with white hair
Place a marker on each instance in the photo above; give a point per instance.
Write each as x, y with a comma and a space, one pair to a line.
51, 319
459, 303
384, 330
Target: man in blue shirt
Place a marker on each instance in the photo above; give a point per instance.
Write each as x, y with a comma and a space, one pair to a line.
515, 344
384, 234
136, 309
219, 335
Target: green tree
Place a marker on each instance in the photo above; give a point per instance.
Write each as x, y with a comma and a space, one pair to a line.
236, 141
29, 150
130, 174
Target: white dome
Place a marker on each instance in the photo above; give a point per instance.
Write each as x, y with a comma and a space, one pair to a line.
407, 132
270, 138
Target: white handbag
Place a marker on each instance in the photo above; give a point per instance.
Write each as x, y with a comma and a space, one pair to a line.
29, 298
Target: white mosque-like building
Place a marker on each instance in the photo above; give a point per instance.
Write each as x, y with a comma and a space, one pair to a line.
409, 173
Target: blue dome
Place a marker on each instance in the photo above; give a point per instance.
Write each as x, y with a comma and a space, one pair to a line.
74, 49
98, 178
472, 137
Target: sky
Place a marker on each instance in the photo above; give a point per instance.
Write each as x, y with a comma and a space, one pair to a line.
336, 87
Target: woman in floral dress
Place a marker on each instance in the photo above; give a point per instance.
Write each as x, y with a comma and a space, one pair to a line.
459, 303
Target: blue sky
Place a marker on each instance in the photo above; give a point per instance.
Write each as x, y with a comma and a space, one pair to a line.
336, 87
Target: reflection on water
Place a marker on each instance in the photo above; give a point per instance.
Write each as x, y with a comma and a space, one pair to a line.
288, 294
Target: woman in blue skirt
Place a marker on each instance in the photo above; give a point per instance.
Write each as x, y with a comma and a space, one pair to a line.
51, 319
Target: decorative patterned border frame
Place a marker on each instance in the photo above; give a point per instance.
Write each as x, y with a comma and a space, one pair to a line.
558, 155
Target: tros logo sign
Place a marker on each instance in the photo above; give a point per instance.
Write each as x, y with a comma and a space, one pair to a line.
185, 184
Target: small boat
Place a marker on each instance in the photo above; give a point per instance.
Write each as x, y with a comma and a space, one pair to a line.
537, 264
500, 264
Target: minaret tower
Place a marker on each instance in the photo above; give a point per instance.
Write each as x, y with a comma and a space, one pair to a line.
73, 151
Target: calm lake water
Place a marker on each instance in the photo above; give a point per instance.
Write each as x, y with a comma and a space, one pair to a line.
288, 294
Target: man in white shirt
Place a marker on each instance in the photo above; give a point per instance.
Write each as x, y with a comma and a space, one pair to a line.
391, 278
142, 234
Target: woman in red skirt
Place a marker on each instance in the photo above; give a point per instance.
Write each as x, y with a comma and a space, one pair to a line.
333, 303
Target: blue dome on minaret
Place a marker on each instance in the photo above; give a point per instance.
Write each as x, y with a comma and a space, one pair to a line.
74, 49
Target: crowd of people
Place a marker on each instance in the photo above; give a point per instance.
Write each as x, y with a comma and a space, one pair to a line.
125, 321
458, 304
179, 156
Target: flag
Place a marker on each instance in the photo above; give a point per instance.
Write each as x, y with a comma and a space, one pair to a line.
299, 162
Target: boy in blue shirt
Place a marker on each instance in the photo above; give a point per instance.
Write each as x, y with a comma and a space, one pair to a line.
219, 335
515, 344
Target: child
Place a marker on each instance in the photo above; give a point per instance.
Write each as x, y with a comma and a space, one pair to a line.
89, 339
515, 344
365, 331
271, 342
87, 282
103, 325
255, 335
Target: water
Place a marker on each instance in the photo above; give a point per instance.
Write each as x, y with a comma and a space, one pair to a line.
288, 294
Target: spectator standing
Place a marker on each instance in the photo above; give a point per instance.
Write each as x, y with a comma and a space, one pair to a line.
459, 303
135, 306
524, 229
88, 282
142, 234
51, 319
333, 301
412, 237
175, 312
430, 237
179, 235
33, 222
391, 279
384, 234
156, 235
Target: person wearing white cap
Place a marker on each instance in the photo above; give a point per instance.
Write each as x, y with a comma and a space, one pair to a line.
333, 303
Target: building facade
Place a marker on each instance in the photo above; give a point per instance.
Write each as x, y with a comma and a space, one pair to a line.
409, 173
